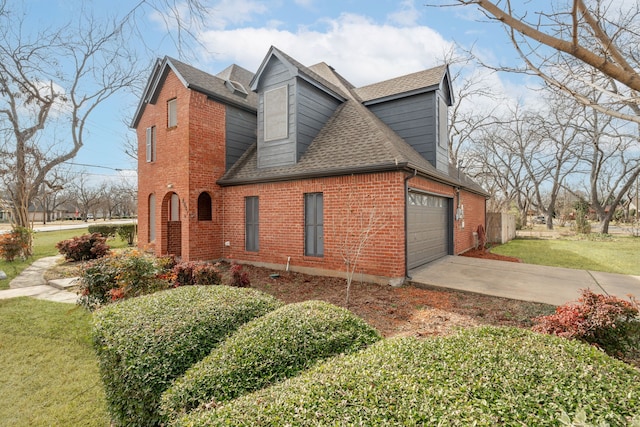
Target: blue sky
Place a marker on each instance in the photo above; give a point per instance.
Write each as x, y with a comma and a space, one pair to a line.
364, 40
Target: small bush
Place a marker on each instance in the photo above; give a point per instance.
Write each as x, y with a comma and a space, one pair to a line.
123, 275
271, 348
83, 248
239, 278
188, 273
127, 232
606, 321
582, 224
16, 243
107, 230
144, 343
486, 376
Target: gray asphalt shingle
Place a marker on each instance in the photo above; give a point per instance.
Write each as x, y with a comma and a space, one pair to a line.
407, 83
353, 139
214, 86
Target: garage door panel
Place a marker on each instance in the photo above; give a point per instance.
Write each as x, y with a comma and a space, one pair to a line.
427, 228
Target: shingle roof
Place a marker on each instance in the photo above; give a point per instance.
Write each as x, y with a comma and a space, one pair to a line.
410, 82
327, 72
303, 70
214, 86
353, 140
200, 81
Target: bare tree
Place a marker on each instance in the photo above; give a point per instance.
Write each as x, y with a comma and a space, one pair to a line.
527, 154
556, 157
466, 120
87, 195
51, 194
566, 43
118, 198
613, 160
497, 166
358, 222
52, 81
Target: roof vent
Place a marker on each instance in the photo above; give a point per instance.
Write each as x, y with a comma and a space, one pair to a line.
236, 88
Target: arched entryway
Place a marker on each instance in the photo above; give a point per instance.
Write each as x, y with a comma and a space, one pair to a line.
172, 233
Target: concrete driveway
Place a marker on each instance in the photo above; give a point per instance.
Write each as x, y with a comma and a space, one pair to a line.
526, 282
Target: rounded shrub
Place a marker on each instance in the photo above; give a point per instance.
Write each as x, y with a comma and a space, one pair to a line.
144, 343
16, 243
190, 273
85, 247
611, 323
127, 232
485, 377
122, 275
276, 346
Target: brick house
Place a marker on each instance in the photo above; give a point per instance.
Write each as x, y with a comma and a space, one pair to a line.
286, 167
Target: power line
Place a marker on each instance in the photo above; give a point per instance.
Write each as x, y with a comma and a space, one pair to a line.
98, 166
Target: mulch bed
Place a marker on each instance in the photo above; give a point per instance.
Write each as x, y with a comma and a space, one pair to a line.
403, 311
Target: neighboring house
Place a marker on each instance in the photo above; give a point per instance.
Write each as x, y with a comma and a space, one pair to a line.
6, 210
280, 168
38, 214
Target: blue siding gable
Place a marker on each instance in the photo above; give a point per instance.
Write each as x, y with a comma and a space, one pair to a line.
309, 108
280, 152
314, 108
416, 119
240, 133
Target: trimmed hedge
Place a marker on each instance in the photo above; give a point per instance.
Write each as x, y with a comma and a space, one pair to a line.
107, 230
276, 346
127, 232
144, 343
486, 376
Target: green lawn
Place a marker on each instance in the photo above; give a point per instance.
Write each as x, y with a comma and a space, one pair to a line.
44, 243
612, 255
49, 371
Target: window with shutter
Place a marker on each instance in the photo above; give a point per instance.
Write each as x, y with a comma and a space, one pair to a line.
172, 113
252, 224
313, 224
151, 144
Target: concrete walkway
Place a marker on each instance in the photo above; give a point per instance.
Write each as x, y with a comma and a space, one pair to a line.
31, 283
526, 282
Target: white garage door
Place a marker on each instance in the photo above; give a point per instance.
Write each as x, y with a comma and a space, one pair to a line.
427, 228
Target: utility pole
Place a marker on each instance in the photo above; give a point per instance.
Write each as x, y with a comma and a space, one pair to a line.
637, 202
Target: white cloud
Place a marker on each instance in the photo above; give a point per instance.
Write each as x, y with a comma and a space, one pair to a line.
235, 12
407, 15
220, 14
358, 48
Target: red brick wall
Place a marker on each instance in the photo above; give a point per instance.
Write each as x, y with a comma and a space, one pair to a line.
169, 172
206, 166
174, 231
474, 215
347, 200
189, 160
